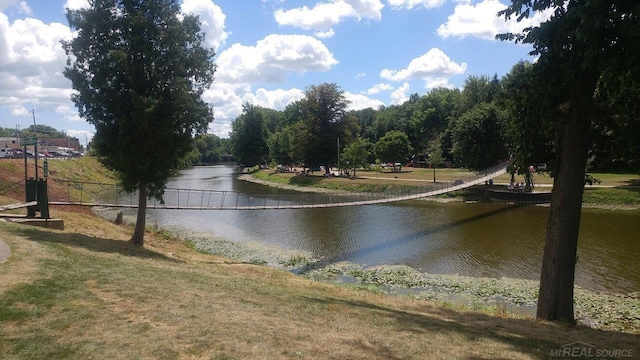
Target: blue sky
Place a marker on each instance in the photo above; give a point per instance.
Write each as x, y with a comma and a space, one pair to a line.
268, 51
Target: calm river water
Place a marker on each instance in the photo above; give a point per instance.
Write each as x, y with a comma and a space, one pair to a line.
479, 239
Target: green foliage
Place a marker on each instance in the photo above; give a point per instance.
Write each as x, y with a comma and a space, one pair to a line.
434, 151
531, 139
478, 138
478, 90
356, 154
584, 48
41, 131
249, 136
139, 69
281, 146
393, 147
324, 121
211, 148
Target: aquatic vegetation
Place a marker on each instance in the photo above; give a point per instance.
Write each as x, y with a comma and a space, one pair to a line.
296, 260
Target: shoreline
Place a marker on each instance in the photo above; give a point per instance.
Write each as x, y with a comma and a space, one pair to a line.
253, 179
515, 297
321, 190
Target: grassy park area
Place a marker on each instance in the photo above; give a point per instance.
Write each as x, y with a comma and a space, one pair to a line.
85, 292
613, 190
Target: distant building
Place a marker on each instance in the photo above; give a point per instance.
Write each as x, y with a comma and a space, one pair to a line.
55, 143
9, 142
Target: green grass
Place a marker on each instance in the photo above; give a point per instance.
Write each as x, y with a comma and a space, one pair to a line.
87, 293
613, 189
612, 196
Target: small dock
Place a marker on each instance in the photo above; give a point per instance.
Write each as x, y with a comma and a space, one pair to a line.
4, 208
23, 219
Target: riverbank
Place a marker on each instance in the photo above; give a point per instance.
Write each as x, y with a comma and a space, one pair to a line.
596, 309
614, 192
85, 292
504, 296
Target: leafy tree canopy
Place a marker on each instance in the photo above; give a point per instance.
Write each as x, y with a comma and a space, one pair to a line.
324, 121
393, 147
139, 69
356, 154
584, 48
249, 136
478, 137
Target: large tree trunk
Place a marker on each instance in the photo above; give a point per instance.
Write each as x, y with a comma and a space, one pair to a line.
138, 233
555, 299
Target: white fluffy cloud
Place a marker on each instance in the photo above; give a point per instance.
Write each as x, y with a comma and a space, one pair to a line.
324, 15
21, 6
84, 136
32, 63
481, 21
434, 67
401, 94
273, 58
325, 34
378, 88
227, 100
359, 101
76, 4
410, 4
274, 99
212, 20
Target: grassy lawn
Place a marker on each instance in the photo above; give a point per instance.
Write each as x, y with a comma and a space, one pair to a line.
86, 293
613, 189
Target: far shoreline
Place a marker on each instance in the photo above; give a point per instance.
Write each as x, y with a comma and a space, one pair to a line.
250, 178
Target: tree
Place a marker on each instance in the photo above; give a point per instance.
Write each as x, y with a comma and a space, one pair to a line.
478, 138
249, 136
139, 70
478, 90
325, 120
280, 146
210, 147
585, 46
42, 131
394, 146
356, 154
436, 157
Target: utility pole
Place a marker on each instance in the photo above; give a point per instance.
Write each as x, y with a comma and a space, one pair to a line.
338, 153
35, 147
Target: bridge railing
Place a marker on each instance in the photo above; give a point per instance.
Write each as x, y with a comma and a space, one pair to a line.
87, 193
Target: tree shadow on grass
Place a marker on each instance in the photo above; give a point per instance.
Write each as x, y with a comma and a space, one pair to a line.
92, 243
534, 338
631, 185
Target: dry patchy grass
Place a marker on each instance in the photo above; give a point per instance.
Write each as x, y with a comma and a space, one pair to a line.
87, 293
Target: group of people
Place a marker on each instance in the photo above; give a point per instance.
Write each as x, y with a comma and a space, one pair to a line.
518, 186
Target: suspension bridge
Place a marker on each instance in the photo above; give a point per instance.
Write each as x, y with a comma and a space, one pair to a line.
193, 199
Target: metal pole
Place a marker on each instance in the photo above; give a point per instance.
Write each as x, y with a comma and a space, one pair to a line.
26, 175
338, 153
35, 147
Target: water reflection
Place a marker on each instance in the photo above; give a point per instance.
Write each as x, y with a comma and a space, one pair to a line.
487, 240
